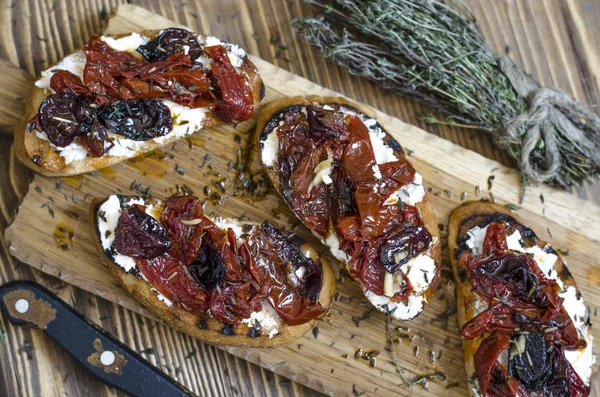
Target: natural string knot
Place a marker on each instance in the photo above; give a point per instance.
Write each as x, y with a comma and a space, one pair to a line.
554, 136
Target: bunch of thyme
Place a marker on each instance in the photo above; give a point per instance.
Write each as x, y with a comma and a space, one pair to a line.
432, 51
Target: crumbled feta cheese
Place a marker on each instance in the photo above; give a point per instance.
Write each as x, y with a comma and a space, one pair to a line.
333, 242
410, 194
127, 43
270, 149
476, 236
267, 320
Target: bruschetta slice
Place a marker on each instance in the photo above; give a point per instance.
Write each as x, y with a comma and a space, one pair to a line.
525, 325
129, 94
217, 280
350, 183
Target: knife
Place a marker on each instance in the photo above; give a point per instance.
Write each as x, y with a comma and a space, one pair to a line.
28, 303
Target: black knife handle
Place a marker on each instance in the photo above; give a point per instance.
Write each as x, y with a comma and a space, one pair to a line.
28, 303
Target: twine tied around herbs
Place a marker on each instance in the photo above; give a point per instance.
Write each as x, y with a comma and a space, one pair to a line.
553, 125
432, 51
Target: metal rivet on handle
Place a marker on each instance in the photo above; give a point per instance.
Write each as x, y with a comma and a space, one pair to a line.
107, 358
22, 305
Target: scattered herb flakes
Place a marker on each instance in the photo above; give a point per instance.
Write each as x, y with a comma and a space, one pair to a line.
432, 356
355, 392
279, 364
512, 207
38, 189
453, 385
477, 191
51, 210
230, 165
315, 331
179, 169
492, 197
366, 315
74, 198
26, 348
94, 173
542, 198
58, 184
177, 371
416, 351
149, 350
463, 196
191, 354
549, 232
206, 158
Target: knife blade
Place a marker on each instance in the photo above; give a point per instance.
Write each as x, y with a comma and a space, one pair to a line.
26, 303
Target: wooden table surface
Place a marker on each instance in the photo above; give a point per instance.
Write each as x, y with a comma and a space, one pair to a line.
555, 40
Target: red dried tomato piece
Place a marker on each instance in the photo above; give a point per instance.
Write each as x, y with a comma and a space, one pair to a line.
170, 277
184, 237
486, 358
116, 63
143, 89
273, 259
63, 80
235, 302
236, 103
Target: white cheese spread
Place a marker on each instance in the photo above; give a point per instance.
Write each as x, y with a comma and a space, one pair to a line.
266, 320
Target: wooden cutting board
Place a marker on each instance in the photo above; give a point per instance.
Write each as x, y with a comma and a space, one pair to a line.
324, 361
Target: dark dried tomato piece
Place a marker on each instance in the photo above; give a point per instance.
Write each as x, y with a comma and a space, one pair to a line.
288, 248
513, 270
169, 41
401, 247
208, 269
137, 119
237, 102
139, 235
64, 117
528, 361
96, 141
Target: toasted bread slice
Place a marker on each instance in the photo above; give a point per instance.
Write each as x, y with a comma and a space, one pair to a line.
472, 216
43, 157
203, 327
266, 127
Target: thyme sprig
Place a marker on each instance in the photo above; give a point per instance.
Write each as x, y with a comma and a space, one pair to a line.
433, 51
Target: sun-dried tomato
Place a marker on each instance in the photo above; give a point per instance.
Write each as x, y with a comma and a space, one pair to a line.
170, 41
181, 219
236, 101
64, 80
64, 117
139, 235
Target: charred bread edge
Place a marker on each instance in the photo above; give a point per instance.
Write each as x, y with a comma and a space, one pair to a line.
264, 127
26, 152
465, 298
212, 330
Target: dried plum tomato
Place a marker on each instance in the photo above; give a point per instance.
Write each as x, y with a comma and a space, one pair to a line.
512, 270
96, 141
140, 235
208, 270
169, 41
137, 119
288, 248
528, 360
64, 117
403, 246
